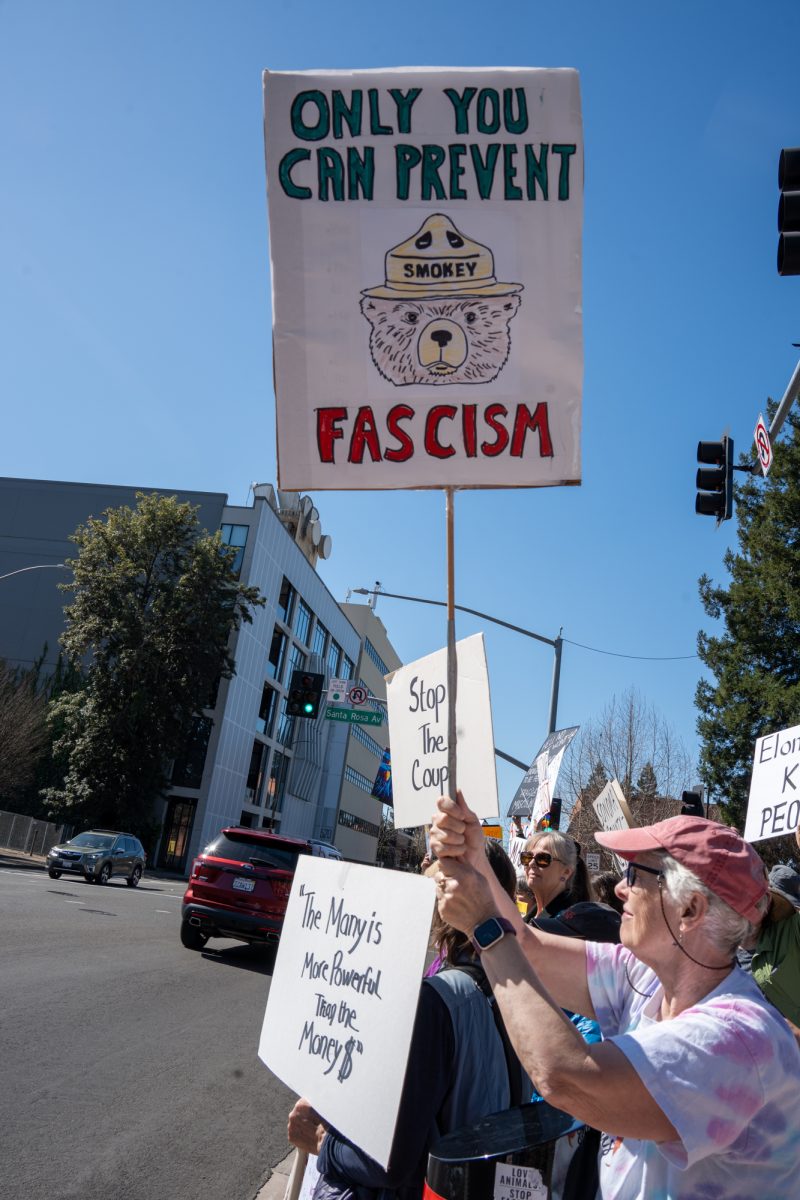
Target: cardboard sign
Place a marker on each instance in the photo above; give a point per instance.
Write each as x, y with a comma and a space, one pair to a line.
417, 700
532, 797
613, 813
425, 243
773, 809
344, 993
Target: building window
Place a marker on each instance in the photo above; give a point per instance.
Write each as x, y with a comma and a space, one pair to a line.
320, 638
359, 780
358, 824
255, 773
276, 783
347, 668
302, 622
285, 601
266, 712
334, 658
236, 536
276, 653
361, 735
246, 819
187, 770
376, 658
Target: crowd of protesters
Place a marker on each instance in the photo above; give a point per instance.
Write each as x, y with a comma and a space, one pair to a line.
661, 1009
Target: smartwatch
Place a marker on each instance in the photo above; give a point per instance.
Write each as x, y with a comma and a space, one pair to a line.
488, 933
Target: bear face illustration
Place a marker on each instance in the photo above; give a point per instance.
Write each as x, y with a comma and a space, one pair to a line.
441, 315
440, 341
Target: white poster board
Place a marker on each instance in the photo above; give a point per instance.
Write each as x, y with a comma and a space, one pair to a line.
773, 809
416, 697
344, 993
425, 245
613, 813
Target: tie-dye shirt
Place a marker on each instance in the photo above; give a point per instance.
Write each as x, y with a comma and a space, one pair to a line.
726, 1072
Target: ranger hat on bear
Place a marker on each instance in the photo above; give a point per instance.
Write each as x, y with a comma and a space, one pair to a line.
437, 262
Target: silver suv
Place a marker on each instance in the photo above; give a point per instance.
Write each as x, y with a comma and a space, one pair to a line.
97, 855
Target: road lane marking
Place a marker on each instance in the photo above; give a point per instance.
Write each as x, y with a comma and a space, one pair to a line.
168, 911
73, 902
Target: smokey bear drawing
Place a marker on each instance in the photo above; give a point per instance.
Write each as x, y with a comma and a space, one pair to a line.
441, 317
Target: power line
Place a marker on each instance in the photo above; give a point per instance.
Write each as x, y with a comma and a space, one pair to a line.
639, 657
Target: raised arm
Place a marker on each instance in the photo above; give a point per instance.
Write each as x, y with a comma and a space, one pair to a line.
469, 893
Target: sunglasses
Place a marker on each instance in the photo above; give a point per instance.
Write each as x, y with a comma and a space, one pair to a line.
632, 868
542, 859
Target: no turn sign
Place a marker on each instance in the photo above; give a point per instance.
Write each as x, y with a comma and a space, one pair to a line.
357, 696
763, 444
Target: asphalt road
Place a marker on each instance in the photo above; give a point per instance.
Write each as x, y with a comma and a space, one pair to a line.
129, 1065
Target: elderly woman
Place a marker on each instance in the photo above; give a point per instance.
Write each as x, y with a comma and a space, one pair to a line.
698, 1081
555, 872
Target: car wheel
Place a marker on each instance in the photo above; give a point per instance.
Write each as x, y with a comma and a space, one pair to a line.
105, 873
90, 879
54, 874
191, 937
135, 876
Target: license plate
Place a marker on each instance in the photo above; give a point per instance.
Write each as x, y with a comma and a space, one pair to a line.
243, 885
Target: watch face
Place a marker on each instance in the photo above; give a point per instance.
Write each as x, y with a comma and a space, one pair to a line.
488, 932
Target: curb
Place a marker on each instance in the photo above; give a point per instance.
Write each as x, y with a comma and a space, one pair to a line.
275, 1187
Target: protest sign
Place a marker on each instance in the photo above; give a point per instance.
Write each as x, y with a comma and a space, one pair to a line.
532, 797
425, 244
515, 847
613, 813
773, 809
344, 993
416, 696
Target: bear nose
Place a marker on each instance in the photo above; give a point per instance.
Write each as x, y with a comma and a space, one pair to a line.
441, 337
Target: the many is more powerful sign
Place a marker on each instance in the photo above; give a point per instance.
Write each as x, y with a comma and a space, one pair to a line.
417, 700
773, 809
425, 234
344, 992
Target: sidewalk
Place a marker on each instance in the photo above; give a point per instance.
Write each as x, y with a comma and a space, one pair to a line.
275, 1187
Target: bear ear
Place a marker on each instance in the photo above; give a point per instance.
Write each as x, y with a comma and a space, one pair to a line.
511, 304
368, 307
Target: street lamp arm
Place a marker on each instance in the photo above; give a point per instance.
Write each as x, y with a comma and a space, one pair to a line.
461, 608
38, 567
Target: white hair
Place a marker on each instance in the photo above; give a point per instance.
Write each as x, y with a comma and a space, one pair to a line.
724, 927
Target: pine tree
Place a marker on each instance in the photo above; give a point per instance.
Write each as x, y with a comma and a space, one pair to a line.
754, 660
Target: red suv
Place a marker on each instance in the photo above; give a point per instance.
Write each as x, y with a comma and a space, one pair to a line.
239, 887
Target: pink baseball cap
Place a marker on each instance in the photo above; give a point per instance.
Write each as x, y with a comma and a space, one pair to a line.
719, 857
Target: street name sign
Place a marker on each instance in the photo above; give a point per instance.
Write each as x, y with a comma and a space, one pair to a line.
355, 716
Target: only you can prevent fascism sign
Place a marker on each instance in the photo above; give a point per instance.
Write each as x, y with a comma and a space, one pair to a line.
425, 244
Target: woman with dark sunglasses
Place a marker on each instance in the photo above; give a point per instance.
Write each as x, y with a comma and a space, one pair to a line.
555, 871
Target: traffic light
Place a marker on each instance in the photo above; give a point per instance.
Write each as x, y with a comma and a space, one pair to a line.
789, 212
715, 481
692, 804
305, 694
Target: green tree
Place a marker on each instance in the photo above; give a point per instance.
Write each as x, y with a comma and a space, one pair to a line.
754, 658
155, 601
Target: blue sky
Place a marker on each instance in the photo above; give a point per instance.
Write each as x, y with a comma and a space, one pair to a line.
135, 312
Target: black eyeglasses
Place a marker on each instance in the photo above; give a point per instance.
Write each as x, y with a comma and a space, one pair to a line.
542, 859
632, 868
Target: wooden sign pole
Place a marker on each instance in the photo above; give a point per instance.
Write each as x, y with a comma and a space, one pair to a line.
452, 666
